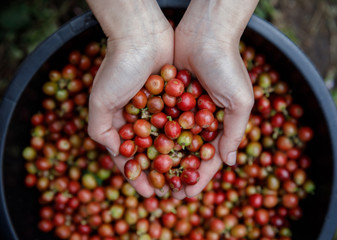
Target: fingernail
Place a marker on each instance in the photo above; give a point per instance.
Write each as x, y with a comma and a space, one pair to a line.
231, 158
111, 152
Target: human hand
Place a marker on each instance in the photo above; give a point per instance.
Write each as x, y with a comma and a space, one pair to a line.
206, 43
140, 42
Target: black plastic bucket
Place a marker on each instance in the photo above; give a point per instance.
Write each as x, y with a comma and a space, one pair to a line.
19, 206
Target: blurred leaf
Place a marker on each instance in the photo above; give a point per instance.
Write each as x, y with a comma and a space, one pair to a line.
35, 37
334, 95
290, 34
16, 52
15, 17
265, 9
260, 13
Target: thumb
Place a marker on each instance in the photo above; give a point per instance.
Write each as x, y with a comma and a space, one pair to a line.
100, 127
235, 122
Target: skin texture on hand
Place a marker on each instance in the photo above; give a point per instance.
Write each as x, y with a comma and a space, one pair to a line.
140, 42
206, 43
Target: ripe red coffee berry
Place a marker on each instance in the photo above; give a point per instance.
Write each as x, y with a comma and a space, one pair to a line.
173, 112
169, 101
205, 102
214, 126
208, 135
145, 142
190, 162
130, 118
172, 129
186, 102
190, 176
168, 72
196, 144
163, 144
143, 161
155, 104
195, 89
175, 183
207, 151
156, 179
159, 119
184, 76
126, 132
132, 169
162, 163
305, 134
155, 84
290, 200
142, 128
128, 148
256, 200
174, 87
139, 100
279, 104
204, 118
186, 120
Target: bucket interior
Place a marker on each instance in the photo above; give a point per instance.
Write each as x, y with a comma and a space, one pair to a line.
22, 203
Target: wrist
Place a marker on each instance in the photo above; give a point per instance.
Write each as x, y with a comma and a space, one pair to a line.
122, 19
223, 20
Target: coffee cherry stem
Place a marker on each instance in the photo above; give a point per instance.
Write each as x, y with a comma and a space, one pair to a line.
277, 132
154, 131
285, 113
268, 91
145, 114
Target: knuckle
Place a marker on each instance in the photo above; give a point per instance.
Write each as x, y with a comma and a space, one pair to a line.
92, 133
243, 100
236, 141
146, 194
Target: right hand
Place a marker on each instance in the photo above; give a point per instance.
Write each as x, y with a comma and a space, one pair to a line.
206, 43
140, 42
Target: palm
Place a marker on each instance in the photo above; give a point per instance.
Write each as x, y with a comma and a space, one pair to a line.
221, 72
121, 75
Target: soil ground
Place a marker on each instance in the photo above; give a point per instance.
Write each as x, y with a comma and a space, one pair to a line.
313, 26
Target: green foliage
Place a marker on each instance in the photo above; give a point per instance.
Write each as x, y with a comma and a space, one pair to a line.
265, 9
15, 17
334, 96
289, 32
24, 24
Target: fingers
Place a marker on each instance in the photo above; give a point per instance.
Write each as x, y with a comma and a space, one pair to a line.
234, 92
162, 192
235, 121
180, 195
141, 184
207, 170
103, 125
113, 87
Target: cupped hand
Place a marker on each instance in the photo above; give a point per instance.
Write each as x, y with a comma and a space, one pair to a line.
208, 46
137, 46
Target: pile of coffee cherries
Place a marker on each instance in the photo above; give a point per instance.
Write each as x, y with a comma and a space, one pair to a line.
170, 125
